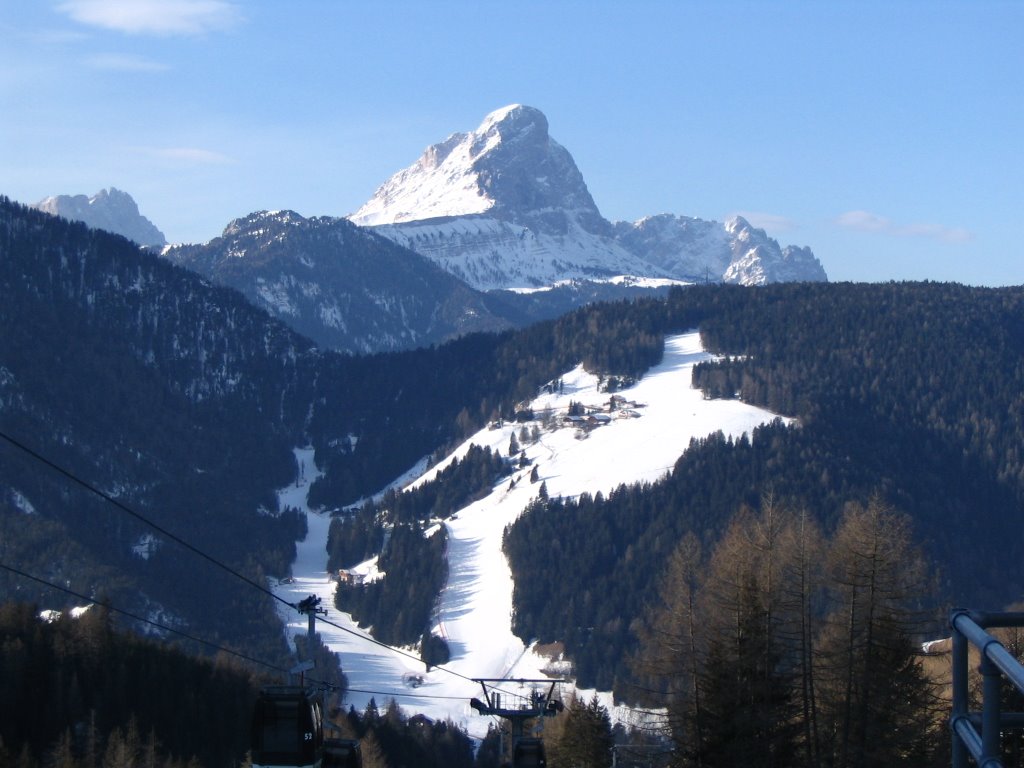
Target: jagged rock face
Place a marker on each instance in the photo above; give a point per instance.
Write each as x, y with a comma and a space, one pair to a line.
492, 254
733, 252
505, 206
109, 209
532, 179
342, 286
509, 168
687, 248
757, 259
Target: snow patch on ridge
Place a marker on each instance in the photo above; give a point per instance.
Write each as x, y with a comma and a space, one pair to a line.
492, 254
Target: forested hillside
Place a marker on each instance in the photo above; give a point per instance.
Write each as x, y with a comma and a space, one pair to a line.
910, 391
183, 402
76, 692
154, 387
341, 285
399, 606
80, 694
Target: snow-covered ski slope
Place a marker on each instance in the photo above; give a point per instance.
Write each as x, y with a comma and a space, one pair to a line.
475, 610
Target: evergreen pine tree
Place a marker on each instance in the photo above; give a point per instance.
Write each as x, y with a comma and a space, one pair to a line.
878, 704
372, 753
586, 737
670, 658
25, 758
122, 748
745, 697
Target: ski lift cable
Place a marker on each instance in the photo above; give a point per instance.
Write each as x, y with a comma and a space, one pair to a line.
150, 622
398, 651
190, 547
138, 516
207, 643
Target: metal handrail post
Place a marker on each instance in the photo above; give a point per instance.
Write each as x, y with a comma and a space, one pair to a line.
990, 714
959, 709
969, 629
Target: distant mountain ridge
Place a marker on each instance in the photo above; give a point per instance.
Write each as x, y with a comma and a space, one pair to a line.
488, 230
505, 206
350, 289
109, 209
341, 285
734, 252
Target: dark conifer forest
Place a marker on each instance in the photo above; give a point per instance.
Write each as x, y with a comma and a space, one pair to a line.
911, 391
77, 690
80, 694
180, 400
400, 605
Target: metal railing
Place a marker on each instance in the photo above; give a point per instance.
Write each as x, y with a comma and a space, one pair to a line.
996, 662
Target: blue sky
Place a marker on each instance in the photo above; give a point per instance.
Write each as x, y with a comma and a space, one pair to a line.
885, 135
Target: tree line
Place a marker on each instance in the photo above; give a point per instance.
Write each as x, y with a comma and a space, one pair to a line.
79, 693
781, 646
400, 604
907, 390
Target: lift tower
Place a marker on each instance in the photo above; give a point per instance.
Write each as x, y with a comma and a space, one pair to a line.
536, 702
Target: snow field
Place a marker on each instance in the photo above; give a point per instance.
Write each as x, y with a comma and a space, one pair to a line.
475, 609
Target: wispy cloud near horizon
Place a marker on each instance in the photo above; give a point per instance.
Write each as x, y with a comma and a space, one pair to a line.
186, 155
154, 17
865, 221
120, 62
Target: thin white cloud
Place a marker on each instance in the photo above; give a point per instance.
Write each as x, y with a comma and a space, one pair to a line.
865, 221
769, 221
938, 232
194, 155
120, 62
187, 155
154, 17
57, 36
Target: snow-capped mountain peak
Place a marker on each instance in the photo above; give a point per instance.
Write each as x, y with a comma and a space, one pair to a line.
513, 123
257, 222
511, 116
738, 227
504, 206
508, 167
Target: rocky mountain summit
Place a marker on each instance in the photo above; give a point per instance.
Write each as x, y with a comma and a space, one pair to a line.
733, 252
505, 206
347, 288
509, 168
109, 209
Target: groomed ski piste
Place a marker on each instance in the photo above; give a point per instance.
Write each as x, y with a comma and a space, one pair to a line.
475, 610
